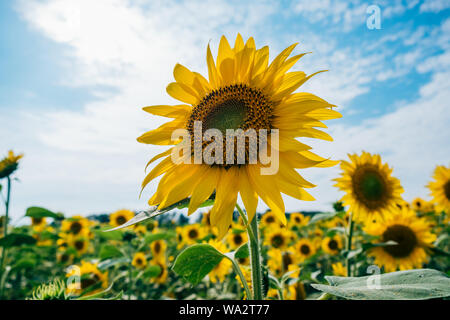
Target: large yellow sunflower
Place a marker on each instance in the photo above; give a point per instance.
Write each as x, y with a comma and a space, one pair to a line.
371, 191
440, 188
243, 91
412, 235
87, 276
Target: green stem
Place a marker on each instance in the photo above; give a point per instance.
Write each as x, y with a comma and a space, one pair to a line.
348, 246
5, 233
255, 253
242, 278
255, 258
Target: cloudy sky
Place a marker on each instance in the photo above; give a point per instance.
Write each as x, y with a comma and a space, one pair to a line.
74, 76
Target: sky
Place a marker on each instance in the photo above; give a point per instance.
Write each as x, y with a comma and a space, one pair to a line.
74, 76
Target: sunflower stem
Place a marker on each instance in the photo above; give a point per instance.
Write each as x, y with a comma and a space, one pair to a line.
255, 258
5, 233
348, 246
255, 253
241, 276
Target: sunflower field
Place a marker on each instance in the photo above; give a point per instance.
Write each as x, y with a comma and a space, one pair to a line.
372, 244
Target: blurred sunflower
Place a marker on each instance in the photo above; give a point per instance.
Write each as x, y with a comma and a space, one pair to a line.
180, 237
38, 224
371, 191
440, 188
65, 258
120, 217
79, 243
76, 225
269, 219
243, 92
339, 269
223, 268
278, 238
332, 245
162, 276
139, 260
412, 235
140, 229
237, 238
280, 262
9, 164
193, 233
298, 220
158, 249
90, 277
304, 248
418, 204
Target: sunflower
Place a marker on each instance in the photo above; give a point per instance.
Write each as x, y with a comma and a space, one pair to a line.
162, 276
180, 237
79, 243
89, 277
64, 257
269, 219
280, 262
278, 238
298, 220
237, 238
158, 248
243, 92
140, 229
120, 217
412, 235
339, 269
193, 233
38, 224
76, 225
418, 204
304, 249
371, 191
139, 260
9, 164
332, 245
440, 188
223, 268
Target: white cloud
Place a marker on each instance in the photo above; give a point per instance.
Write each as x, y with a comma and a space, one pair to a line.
434, 5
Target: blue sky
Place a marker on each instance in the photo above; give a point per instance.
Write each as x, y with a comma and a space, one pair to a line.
75, 74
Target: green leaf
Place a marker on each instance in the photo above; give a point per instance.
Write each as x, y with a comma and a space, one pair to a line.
242, 252
25, 263
152, 271
196, 261
37, 212
416, 284
322, 216
111, 235
159, 236
16, 239
153, 211
108, 251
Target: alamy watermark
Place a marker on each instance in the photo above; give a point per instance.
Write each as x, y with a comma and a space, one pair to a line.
240, 147
374, 20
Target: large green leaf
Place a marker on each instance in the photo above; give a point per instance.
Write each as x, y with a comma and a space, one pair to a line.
38, 212
196, 261
401, 285
16, 239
